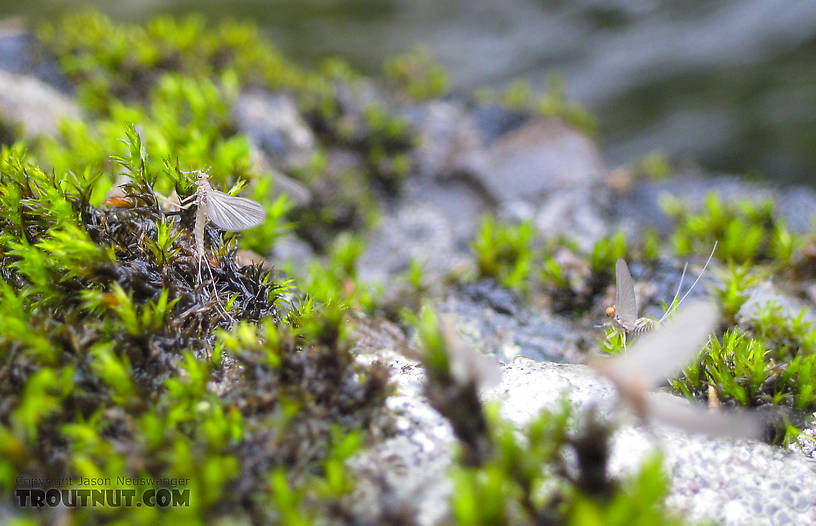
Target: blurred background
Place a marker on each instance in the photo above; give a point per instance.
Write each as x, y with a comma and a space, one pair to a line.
728, 84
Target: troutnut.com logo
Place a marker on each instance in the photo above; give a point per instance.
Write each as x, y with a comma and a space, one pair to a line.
83, 492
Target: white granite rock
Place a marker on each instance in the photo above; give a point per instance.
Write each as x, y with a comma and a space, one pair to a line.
733, 482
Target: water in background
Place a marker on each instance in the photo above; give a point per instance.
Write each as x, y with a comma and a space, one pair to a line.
730, 84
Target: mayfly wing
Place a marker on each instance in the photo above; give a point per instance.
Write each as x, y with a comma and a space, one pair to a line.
625, 301
678, 413
663, 352
465, 363
229, 212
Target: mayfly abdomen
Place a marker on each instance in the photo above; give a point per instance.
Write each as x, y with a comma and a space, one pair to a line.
198, 231
636, 328
201, 214
642, 326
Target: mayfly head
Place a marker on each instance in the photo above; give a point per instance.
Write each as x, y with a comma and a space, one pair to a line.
202, 175
661, 354
610, 311
625, 308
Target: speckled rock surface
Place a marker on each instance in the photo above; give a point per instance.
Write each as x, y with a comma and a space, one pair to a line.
433, 223
733, 482
495, 321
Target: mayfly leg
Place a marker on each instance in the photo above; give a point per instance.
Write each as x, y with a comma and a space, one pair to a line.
227, 212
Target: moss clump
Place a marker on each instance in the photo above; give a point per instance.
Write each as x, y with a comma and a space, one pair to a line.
418, 74
749, 371
334, 278
747, 232
118, 361
111, 62
178, 79
770, 362
504, 252
519, 96
654, 166
185, 126
516, 257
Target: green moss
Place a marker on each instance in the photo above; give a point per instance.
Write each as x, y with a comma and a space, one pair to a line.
112, 62
417, 74
112, 351
504, 252
185, 127
177, 79
654, 166
517, 257
746, 232
520, 96
733, 293
606, 251
769, 361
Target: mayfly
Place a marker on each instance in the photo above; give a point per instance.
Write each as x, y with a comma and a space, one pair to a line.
227, 212
624, 312
661, 354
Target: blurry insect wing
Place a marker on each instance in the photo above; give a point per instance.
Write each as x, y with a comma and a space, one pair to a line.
663, 352
678, 413
625, 301
467, 365
233, 213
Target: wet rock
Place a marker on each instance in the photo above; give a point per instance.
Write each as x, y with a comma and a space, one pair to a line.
32, 107
497, 297
274, 122
533, 160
